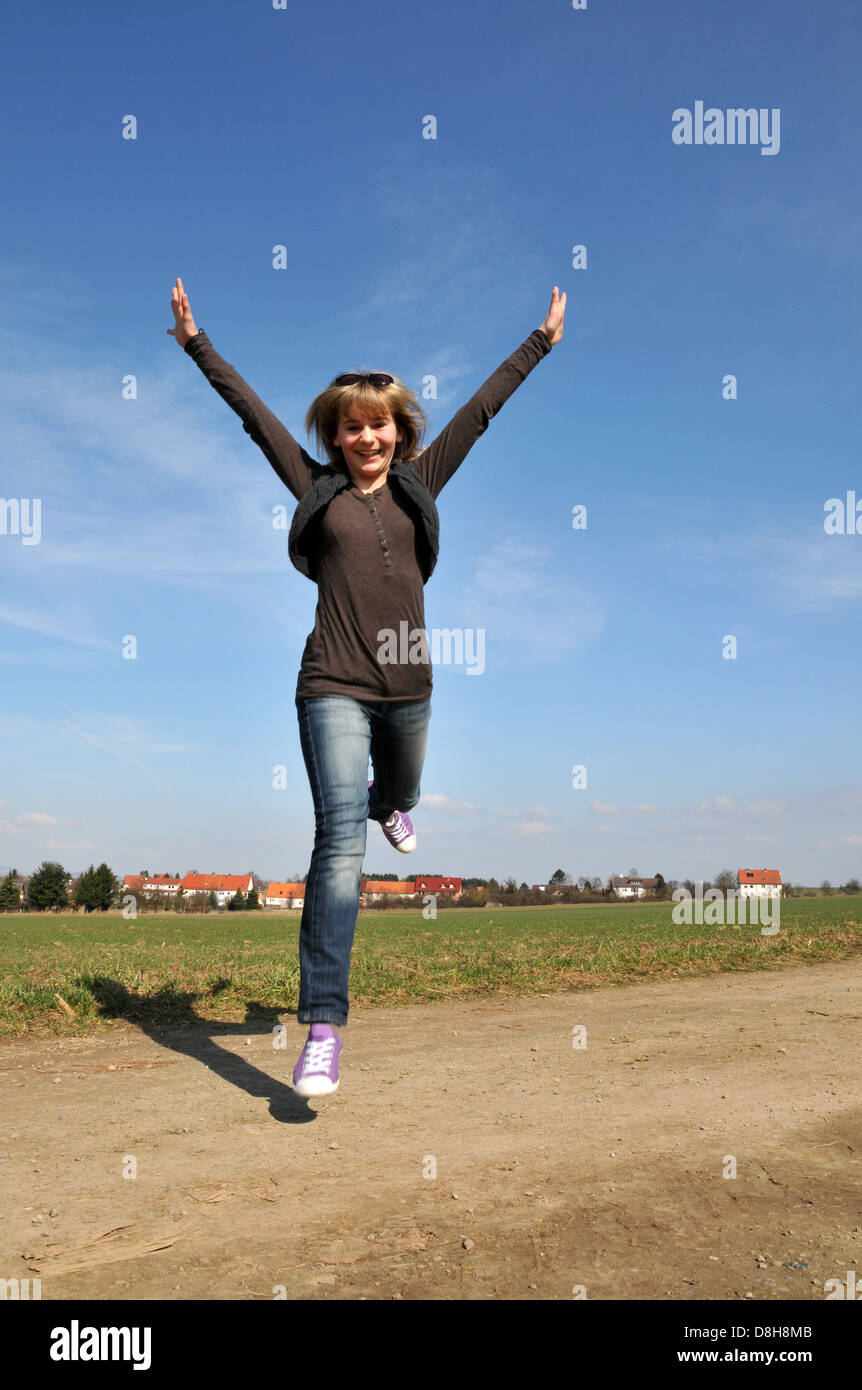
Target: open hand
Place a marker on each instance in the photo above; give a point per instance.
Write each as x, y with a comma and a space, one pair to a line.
185, 326
553, 324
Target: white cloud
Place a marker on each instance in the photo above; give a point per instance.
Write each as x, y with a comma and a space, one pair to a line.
533, 827
27, 823
69, 844
436, 801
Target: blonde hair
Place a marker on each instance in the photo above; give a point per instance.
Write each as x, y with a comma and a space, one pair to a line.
324, 415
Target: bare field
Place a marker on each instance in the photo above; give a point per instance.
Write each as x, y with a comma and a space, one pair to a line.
556, 1167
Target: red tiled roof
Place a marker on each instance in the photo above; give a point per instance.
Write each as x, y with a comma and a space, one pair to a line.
437, 885
285, 890
758, 875
198, 883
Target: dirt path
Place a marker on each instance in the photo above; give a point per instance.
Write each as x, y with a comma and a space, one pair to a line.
559, 1166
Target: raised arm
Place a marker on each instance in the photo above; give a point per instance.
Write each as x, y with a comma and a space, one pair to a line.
436, 464
296, 468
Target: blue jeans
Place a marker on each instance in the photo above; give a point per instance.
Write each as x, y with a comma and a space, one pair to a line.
338, 735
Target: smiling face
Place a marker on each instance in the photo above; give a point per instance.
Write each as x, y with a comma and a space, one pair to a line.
367, 441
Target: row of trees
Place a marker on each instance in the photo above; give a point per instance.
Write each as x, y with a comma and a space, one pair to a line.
98, 889
52, 886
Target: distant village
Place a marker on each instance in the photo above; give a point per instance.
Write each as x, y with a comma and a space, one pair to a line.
224, 887
52, 887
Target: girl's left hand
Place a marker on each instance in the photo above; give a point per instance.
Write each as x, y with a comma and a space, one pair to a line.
553, 324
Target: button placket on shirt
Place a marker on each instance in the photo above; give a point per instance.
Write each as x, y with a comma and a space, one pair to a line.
380, 532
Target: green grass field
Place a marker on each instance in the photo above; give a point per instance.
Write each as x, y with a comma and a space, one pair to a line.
172, 970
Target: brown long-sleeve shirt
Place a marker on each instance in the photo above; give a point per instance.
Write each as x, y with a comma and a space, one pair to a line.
368, 572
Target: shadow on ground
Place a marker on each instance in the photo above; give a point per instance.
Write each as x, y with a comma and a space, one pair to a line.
169, 1018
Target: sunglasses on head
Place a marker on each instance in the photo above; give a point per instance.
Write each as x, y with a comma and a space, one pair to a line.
377, 379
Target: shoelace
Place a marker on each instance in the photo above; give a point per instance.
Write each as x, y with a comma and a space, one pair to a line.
395, 825
318, 1054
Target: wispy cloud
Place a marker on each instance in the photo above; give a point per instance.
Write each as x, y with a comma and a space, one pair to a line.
466, 213
525, 607
115, 734
795, 567
49, 625
70, 844
436, 801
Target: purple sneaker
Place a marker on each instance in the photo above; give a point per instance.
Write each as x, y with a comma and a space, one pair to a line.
398, 830
316, 1072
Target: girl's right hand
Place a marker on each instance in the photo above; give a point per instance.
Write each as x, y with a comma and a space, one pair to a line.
185, 324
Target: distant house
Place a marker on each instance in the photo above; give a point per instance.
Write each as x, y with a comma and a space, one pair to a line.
634, 887
375, 889
223, 885
758, 883
161, 883
285, 895
152, 883
438, 885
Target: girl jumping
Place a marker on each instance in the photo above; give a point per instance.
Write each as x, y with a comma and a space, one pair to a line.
365, 530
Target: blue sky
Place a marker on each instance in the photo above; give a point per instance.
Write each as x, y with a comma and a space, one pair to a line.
303, 127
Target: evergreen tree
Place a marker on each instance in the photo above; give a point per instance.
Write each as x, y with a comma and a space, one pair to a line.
108, 888
237, 902
86, 892
10, 899
49, 886
252, 900
213, 900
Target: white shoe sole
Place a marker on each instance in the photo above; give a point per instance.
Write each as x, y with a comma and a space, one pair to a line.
316, 1086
